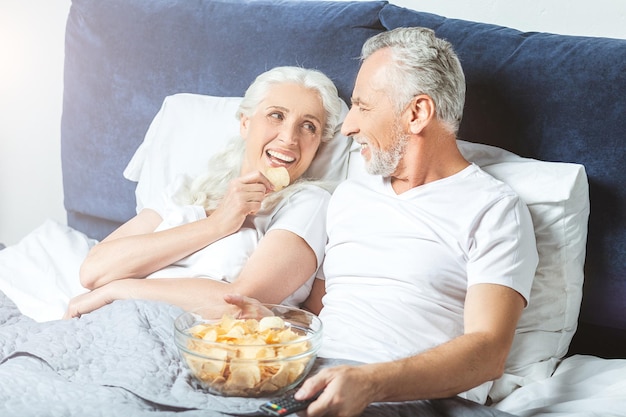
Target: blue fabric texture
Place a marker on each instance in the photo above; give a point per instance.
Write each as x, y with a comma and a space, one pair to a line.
124, 57
554, 98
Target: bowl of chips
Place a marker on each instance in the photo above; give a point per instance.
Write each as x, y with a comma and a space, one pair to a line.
261, 353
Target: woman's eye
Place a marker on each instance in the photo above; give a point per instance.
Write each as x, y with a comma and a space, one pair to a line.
276, 115
310, 127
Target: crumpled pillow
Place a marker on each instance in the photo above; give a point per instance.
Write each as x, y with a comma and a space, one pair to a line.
557, 195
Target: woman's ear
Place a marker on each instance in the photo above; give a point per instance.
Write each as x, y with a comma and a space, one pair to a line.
244, 124
420, 112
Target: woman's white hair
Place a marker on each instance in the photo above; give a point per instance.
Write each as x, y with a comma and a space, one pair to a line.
207, 190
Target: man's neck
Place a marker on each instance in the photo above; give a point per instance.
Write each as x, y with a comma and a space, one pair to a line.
427, 160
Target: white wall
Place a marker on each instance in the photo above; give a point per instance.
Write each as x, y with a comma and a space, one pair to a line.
569, 17
31, 82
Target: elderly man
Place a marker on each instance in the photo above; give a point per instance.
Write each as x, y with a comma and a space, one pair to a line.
430, 260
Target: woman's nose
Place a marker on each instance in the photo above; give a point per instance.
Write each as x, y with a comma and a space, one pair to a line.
289, 134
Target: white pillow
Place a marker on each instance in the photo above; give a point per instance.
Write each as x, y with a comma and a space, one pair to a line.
557, 196
189, 129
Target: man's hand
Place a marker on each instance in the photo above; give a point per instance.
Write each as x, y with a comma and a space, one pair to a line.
347, 391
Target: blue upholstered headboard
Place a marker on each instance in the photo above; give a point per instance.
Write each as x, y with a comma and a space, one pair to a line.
124, 56
550, 97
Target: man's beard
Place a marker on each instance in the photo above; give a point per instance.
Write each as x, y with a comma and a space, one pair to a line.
386, 162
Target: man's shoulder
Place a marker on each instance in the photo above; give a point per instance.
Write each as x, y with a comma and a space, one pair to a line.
492, 184
361, 182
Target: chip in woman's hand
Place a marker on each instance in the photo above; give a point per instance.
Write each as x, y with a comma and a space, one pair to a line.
279, 177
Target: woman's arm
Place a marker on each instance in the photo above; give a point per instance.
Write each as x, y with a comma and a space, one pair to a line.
282, 262
134, 250
126, 254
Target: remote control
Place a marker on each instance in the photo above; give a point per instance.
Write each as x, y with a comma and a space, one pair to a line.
285, 405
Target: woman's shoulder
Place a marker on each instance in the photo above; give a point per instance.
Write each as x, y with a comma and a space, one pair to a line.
321, 189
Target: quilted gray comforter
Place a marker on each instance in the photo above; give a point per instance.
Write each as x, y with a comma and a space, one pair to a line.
121, 361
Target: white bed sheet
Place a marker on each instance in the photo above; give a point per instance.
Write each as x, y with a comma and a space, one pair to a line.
40, 274
581, 386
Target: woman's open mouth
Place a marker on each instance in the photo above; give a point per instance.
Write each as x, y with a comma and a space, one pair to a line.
278, 158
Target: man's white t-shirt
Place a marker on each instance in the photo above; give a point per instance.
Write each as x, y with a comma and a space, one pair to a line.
397, 267
302, 212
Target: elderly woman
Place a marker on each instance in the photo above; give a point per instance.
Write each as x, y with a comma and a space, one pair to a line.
231, 230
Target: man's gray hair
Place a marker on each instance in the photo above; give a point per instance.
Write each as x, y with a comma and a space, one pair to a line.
422, 64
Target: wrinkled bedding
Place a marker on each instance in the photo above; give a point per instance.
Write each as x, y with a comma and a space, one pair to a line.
121, 359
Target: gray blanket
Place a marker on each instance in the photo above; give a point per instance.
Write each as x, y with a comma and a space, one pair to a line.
121, 361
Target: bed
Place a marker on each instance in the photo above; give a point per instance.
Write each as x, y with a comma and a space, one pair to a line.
149, 92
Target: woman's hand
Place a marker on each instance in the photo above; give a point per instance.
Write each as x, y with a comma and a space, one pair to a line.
93, 300
249, 308
243, 197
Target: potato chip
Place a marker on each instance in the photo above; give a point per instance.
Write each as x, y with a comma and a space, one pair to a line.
210, 335
282, 376
243, 375
208, 369
250, 357
271, 322
228, 322
279, 177
235, 333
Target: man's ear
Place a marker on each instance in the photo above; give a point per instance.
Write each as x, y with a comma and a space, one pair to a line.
421, 111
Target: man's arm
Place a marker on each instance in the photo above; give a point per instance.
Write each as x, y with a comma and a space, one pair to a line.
313, 303
491, 315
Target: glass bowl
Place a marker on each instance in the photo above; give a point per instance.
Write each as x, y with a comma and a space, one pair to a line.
264, 353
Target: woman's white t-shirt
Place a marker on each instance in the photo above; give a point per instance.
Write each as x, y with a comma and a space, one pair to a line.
302, 212
404, 262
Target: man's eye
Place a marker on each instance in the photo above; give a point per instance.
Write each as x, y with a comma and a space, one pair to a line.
358, 106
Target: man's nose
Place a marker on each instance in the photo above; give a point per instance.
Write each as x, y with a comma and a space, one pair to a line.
348, 127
